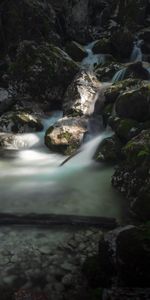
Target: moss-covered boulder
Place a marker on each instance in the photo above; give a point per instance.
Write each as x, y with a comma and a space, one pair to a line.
113, 91
125, 129
132, 178
81, 94
19, 122
76, 51
43, 71
134, 104
109, 150
138, 148
66, 135
102, 46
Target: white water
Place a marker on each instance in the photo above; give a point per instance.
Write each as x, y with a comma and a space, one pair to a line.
31, 179
136, 54
119, 75
92, 59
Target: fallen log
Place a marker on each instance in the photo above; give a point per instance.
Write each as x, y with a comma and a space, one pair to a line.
56, 219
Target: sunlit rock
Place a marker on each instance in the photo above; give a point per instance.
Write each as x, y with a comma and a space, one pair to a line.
66, 135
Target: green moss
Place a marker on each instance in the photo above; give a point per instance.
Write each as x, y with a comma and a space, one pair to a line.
66, 135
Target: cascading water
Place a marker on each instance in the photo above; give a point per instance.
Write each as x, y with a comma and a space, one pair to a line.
31, 179
92, 59
119, 75
136, 54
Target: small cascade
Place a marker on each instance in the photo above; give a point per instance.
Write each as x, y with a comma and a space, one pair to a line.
119, 75
136, 54
92, 59
87, 151
30, 140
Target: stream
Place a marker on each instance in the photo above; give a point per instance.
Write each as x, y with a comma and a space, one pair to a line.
32, 180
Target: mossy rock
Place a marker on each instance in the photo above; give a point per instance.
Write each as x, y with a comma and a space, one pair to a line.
102, 46
76, 51
134, 104
109, 150
125, 129
66, 136
117, 88
20, 122
137, 149
42, 70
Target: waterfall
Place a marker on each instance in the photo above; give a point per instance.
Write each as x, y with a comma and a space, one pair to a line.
119, 75
92, 59
136, 54
87, 150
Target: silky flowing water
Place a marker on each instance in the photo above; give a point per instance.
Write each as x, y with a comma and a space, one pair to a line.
32, 180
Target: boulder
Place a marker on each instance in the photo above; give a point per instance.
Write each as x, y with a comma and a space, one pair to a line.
42, 71
82, 94
19, 122
76, 51
138, 148
102, 46
116, 89
11, 142
109, 150
125, 129
66, 135
134, 104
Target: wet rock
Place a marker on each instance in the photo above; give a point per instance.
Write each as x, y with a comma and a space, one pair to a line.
66, 135
134, 104
42, 71
76, 51
109, 150
105, 73
102, 46
116, 89
19, 122
138, 148
125, 129
82, 94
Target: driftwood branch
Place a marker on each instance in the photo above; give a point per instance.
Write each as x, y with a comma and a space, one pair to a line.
49, 220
